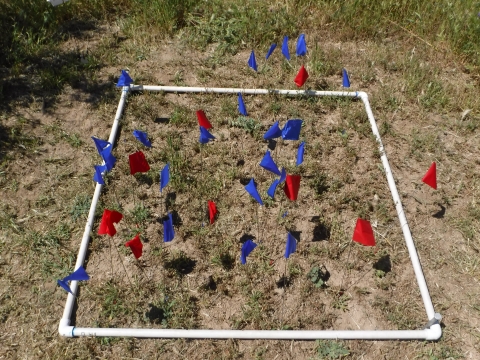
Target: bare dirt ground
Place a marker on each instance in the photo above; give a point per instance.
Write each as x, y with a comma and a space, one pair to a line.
418, 97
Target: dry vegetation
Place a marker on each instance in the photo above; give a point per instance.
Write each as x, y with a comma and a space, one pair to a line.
423, 82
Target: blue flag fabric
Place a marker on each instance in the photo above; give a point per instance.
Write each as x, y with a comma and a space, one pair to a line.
205, 136
252, 190
268, 164
168, 232
274, 132
270, 51
285, 51
100, 144
241, 105
77, 275
283, 176
142, 137
301, 46
124, 79
291, 130
291, 245
97, 176
271, 190
109, 159
345, 80
252, 62
164, 176
300, 152
247, 248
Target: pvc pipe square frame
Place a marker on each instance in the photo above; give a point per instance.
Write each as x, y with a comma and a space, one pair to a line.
432, 330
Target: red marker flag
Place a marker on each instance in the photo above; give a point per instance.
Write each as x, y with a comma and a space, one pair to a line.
212, 210
363, 233
292, 185
136, 246
202, 120
301, 77
108, 218
430, 177
138, 163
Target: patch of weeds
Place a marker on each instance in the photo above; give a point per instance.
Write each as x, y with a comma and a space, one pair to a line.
140, 214
254, 313
225, 260
318, 275
341, 302
330, 349
80, 207
51, 239
58, 133
319, 184
113, 304
396, 314
434, 96
248, 124
422, 143
180, 116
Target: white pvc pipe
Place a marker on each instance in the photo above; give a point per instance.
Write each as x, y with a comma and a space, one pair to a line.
67, 312
434, 331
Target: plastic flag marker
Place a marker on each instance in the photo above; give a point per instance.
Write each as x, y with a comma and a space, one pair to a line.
124, 79
430, 177
292, 185
136, 246
100, 144
301, 77
291, 246
252, 190
78, 275
252, 62
345, 80
270, 51
212, 211
138, 163
205, 136
97, 176
363, 233
285, 51
241, 105
168, 232
300, 152
274, 132
283, 176
109, 217
142, 137
301, 46
271, 190
202, 120
164, 176
247, 248
104, 149
291, 130
268, 164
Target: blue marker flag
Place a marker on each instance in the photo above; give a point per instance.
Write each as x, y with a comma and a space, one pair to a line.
168, 232
247, 248
142, 137
301, 46
271, 190
77, 275
291, 130
273, 132
100, 144
291, 245
252, 190
124, 79
301, 151
270, 51
205, 136
346, 80
164, 176
241, 105
285, 51
268, 164
283, 176
97, 176
108, 158
252, 62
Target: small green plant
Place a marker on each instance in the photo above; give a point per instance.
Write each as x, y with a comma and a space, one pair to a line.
318, 276
341, 302
246, 123
80, 207
329, 349
140, 214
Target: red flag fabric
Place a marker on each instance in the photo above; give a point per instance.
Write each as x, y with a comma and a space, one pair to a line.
292, 185
136, 246
202, 120
212, 210
363, 233
138, 163
108, 218
430, 177
301, 77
